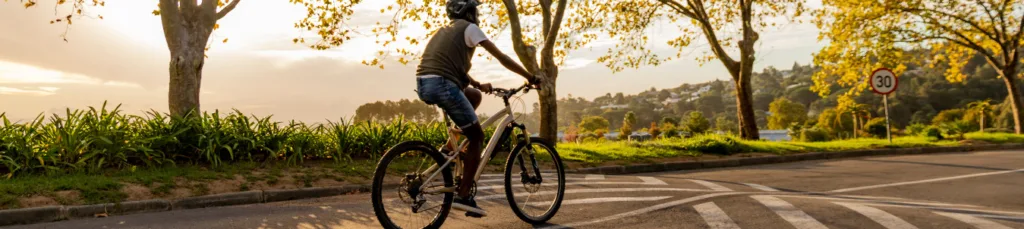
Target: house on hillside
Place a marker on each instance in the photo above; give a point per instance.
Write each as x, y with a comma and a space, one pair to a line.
615, 106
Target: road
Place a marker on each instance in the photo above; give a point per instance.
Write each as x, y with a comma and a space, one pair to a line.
955, 190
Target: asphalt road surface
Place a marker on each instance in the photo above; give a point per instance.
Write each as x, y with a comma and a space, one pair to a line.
957, 190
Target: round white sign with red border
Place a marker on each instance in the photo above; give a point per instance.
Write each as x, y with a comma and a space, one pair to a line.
883, 81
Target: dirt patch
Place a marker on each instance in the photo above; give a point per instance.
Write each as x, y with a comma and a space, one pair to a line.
225, 186
179, 193
37, 201
69, 197
136, 192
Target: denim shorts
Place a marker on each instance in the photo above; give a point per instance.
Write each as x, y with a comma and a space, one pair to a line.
436, 90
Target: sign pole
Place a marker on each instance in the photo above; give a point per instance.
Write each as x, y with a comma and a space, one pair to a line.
883, 81
888, 127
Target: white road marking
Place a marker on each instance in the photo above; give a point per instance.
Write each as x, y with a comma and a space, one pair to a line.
646, 181
711, 186
715, 217
881, 217
595, 190
761, 187
926, 181
973, 221
643, 210
652, 181
956, 209
788, 212
608, 199
879, 200
594, 177
514, 175
502, 180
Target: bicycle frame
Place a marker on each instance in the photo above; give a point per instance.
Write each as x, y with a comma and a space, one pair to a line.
506, 117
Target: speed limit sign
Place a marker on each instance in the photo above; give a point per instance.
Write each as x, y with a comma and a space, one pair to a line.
883, 81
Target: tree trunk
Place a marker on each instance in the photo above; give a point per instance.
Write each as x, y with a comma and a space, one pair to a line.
1009, 77
187, 27
549, 110
186, 73
745, 108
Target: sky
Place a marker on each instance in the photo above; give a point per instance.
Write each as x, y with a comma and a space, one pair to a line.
123, 59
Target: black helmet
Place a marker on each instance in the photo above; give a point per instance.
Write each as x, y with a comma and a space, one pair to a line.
463, 9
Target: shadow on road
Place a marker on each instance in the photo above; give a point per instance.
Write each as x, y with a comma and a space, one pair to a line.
937, 164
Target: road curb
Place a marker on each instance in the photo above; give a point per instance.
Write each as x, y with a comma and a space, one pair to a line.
31, 215
218, 200
123, 208
57, 213
307, 193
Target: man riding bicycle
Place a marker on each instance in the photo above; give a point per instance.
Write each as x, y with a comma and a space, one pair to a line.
443, 80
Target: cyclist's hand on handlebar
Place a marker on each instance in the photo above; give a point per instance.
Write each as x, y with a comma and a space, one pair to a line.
486, 88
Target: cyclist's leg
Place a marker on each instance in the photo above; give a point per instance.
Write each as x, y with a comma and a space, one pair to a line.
474, 96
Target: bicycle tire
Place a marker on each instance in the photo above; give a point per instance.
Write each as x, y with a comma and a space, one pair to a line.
560, 193
378, 183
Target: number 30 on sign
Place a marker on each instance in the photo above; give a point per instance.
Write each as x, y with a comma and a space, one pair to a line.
883, 81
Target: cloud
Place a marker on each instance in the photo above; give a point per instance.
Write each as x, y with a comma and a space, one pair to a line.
16, 73
576, 63
37, 91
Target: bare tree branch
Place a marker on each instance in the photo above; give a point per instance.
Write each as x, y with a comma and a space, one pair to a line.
227, 9
679, 8
556, 25
170, 17
517, 38
545, 7
989, 34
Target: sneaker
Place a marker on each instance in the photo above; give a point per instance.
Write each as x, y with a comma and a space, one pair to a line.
468, 205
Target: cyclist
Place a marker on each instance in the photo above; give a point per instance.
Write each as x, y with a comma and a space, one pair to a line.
443, 80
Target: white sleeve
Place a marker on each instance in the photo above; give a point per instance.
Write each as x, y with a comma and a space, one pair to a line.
474, 35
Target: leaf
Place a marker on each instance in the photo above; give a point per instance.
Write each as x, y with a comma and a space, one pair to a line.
156, 12
225, 40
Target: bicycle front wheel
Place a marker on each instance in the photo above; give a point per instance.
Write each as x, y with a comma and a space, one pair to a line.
534, 181
404, 195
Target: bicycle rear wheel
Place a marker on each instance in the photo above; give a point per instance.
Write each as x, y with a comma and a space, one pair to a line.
398, 200
534, 181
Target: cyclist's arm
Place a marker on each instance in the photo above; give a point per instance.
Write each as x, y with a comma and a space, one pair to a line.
506, 61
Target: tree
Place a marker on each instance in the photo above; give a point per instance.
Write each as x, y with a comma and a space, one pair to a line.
981, 109
725, 124
871, 34
697, 124
630, 119
654, 131
715, 19
784, 113
593, 123
188, 25
625, 131
577, 18
947, 116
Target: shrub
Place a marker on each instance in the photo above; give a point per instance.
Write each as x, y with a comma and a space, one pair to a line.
697, 124
713, 144
915, 129
814, 134
955, 129
932, 132
875, 127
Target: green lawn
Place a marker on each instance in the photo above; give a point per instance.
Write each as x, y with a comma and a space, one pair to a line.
600, 152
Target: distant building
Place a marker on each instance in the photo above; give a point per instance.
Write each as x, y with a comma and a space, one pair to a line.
775, 135
615, 106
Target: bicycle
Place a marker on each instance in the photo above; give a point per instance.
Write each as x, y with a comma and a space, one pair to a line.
414, 189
